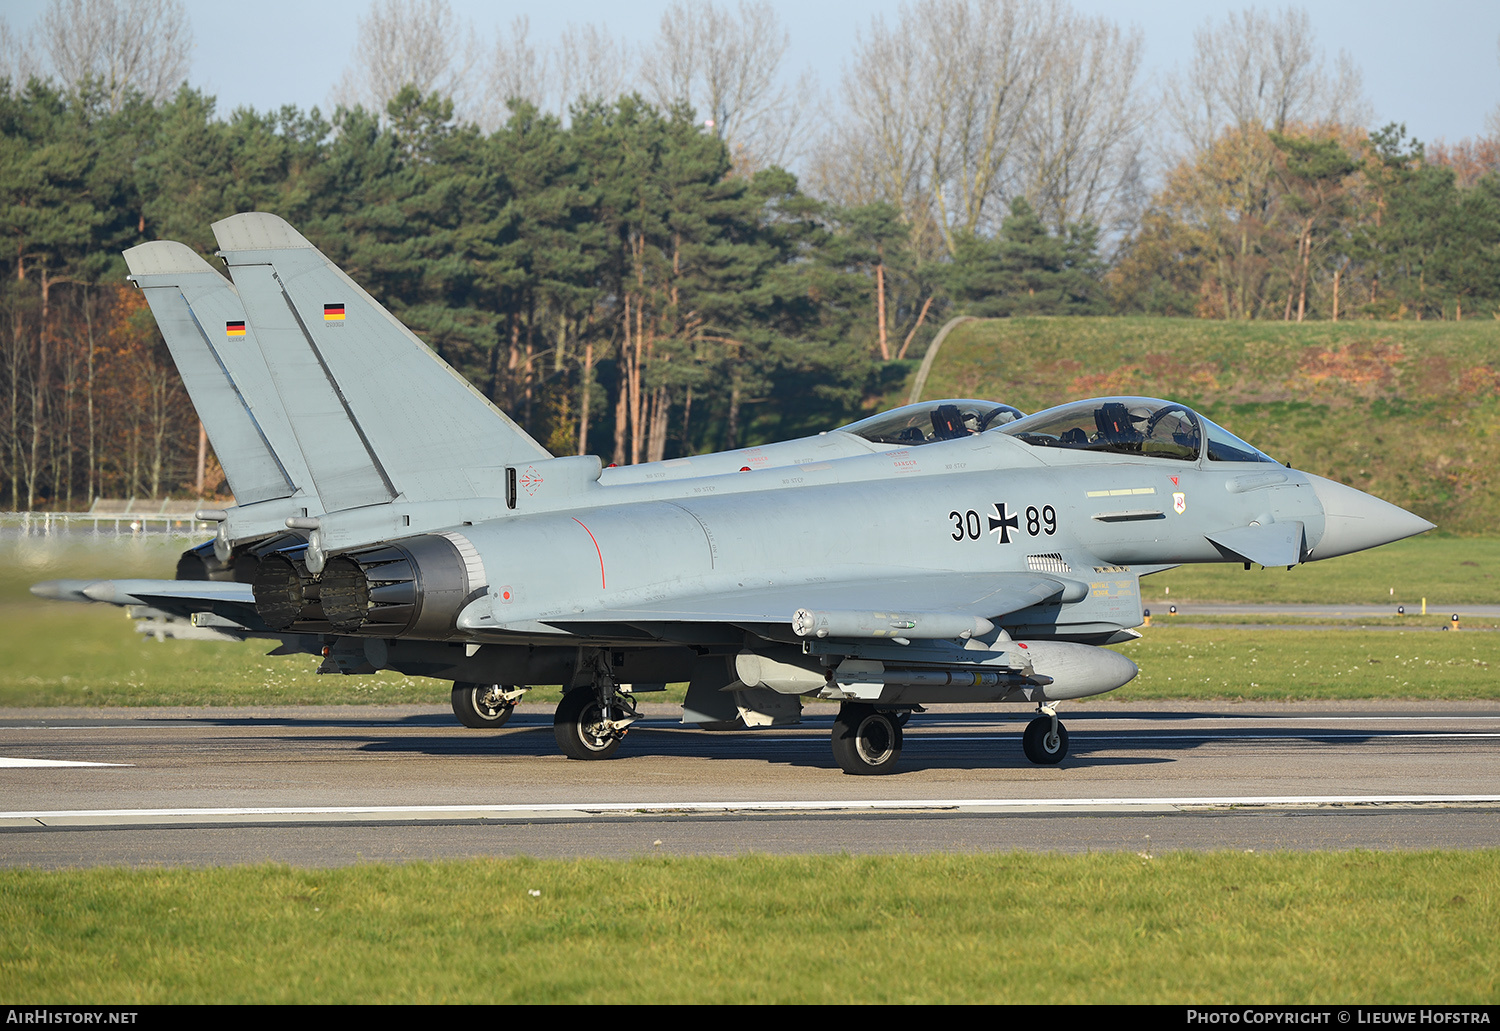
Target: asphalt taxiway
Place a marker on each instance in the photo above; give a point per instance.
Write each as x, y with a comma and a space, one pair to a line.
339, 784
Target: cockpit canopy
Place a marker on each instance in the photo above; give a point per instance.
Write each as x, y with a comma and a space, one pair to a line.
931, 421
1134, 426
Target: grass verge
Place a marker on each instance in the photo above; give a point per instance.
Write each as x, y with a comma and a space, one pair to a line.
1447, 571
1337, 927
1405, 410
1294, 665
59, 654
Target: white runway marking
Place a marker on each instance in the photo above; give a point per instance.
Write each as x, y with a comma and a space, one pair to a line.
9, 763
585, 810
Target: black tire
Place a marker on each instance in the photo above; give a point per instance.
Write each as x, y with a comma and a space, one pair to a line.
577, 714
1037, 746
480, 706
866, 741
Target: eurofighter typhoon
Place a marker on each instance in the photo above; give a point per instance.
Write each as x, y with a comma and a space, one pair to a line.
388, 516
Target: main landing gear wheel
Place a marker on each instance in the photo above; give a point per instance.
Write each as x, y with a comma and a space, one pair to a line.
1041, 745
481, 706
866, 740
577, 725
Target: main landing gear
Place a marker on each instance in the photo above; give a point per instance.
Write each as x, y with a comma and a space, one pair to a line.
866, 740
483, 706
590, 722
1045, 740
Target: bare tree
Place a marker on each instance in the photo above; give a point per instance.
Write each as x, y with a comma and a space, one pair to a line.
726, 65
1082, 136
591, 64
516, 72
878, 150
1263, 70
410, 42
1492, 120
122, 45
941, 103
18, 60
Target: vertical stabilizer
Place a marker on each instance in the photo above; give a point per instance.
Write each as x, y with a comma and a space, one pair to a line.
205, 329
390, 417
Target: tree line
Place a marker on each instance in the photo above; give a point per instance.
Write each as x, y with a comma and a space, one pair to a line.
627, 280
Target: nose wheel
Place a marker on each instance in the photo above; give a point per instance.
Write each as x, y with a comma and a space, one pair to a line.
483, 706
865, 740
1045, 740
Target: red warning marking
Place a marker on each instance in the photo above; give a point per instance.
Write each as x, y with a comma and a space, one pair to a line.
596, 551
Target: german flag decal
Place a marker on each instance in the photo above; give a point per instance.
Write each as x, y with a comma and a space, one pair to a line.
333, 312
234, 329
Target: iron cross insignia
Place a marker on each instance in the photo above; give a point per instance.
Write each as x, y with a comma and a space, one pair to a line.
1002, 523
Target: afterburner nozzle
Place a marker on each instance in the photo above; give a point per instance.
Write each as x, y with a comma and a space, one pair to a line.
1354, 520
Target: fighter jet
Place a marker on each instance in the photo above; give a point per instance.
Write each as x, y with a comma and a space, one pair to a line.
388, 516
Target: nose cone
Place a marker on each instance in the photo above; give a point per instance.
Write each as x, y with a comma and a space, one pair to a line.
1355, 520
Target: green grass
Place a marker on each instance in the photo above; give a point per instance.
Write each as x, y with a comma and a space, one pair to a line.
1293, 665
1259, 622
1341, 927
67, 654
1447, 571
1407, 411
60, 653
28, 560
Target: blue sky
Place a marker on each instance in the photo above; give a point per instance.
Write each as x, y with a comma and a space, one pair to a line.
1433, 66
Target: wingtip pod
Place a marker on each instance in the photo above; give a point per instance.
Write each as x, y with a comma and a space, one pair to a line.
165, 258
257, 231
62, 590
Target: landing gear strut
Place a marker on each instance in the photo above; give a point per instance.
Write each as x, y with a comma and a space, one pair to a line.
866, 740
590, 722
483, 706
1045, 740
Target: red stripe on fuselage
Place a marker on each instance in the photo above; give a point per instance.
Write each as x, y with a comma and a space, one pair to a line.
596, 551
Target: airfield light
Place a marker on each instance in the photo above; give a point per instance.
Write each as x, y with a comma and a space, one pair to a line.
1172, 610
1146, 613
1455, 621
1400, 610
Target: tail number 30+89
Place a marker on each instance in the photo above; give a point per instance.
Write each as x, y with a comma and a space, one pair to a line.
970, 525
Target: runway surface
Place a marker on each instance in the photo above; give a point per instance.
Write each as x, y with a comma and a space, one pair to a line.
339, 784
